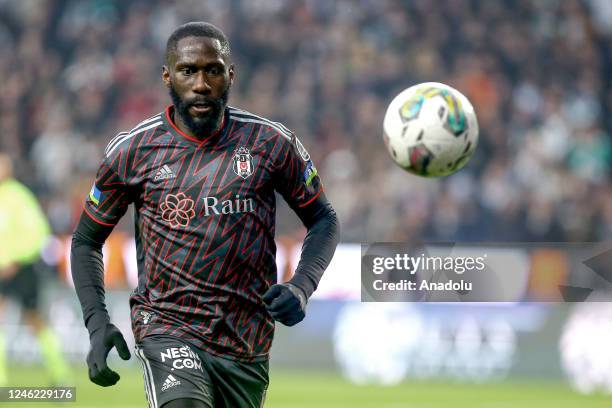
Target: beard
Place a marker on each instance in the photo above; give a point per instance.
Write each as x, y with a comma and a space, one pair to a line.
204, 125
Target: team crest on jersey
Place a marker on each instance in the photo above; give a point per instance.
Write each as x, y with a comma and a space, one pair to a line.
243, 162
146, 316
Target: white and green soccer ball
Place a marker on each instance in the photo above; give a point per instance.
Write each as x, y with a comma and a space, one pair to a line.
430, 129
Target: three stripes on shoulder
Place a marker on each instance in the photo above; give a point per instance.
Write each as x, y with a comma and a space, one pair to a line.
123, 136
243, 116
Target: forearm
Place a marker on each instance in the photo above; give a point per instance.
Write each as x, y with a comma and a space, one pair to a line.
88, 271
319, 246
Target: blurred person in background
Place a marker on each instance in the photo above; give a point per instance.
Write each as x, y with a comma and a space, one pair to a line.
24, 230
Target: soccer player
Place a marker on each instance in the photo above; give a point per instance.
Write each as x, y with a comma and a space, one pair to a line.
24, 230
202, 178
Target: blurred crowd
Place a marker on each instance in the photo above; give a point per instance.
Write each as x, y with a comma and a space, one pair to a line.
75, 73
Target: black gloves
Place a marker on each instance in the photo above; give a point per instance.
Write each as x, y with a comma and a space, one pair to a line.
286, 303
102, 341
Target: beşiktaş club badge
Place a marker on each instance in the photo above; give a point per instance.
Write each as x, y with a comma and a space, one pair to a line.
243, 162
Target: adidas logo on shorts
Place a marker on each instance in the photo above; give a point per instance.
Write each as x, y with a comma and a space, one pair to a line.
170, 382
164, 173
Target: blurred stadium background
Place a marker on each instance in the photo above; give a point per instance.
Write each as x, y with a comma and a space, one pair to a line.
74, 73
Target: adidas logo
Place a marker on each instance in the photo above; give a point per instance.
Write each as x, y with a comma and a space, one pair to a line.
170, 382
164, 173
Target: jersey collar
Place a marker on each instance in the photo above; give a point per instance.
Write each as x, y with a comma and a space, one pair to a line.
178, 132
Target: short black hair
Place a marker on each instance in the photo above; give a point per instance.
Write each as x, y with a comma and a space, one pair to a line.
197, 29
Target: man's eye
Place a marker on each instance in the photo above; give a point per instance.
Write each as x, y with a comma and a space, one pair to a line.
214, 71
187, 71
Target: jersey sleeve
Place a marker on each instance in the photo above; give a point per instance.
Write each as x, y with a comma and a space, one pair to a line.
109, 196
297, 179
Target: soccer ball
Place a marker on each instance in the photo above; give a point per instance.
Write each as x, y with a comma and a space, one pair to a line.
430, 130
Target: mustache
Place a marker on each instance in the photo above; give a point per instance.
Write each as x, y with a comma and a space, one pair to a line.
203, 100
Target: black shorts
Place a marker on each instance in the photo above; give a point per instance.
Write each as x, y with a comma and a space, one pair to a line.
23, 287
174, 369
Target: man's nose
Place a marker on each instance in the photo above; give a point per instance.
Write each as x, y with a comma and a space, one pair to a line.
200, 84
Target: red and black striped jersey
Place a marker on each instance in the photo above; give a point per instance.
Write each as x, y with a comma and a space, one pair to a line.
204, 215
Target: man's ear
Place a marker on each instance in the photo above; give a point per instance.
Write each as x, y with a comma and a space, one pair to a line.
166, 76
232, 74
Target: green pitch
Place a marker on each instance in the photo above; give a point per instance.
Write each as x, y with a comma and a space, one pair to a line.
292, 389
